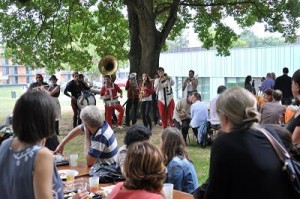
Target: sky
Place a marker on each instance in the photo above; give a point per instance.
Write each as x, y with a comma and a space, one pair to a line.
258, 29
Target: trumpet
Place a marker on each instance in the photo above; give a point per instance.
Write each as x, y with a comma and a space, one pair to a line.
190, 80
164, 78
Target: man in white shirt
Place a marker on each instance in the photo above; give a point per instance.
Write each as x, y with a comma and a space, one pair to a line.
213, 116
190, 84
199, 114
165, 102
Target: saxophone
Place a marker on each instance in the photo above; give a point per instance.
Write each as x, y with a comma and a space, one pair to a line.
141, 94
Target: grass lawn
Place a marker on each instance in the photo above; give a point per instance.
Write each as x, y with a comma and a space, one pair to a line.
199, 156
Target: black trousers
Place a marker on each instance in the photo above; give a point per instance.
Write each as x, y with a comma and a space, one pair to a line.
131, 103
184, 128
145, 109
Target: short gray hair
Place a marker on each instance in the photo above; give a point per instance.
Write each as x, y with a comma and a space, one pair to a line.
240, 106
92, 116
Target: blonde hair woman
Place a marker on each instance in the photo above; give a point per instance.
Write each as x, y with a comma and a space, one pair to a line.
243, 163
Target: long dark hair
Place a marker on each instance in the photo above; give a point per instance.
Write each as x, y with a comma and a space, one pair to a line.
173, 144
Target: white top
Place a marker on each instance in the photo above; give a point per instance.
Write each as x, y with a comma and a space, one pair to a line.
213, 116
159, 87
199, 113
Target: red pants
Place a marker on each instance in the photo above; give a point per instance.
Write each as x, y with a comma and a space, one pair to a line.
166, 113
109, 113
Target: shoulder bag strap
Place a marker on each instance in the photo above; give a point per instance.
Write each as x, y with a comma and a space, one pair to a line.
280, 151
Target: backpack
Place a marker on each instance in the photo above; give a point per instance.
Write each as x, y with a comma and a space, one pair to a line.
202, 136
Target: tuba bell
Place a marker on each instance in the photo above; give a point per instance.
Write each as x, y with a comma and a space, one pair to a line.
108, 65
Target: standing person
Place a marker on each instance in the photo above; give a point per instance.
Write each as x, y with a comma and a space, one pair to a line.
213, 116
100, 141
284, 83
155, 112
182, 114
39, 82
243, 163
145, 172
54, 91
199, 115
180, 169
145, 95
85, 90
109, 93
190, 84
249, 84
294, 124
268, 83
273, 112
27, 168
163, 87
132, 99
74, 87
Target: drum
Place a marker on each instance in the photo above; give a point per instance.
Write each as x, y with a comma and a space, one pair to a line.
85, 100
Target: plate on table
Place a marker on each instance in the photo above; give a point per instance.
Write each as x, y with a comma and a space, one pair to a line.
63, 173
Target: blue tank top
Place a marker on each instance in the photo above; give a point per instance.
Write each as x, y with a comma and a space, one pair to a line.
16, 173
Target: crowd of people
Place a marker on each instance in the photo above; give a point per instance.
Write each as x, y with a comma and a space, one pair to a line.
243, 162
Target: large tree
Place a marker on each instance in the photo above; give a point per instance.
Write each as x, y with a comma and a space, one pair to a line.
51, 33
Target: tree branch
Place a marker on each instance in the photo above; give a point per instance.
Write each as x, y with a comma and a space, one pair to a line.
160, 8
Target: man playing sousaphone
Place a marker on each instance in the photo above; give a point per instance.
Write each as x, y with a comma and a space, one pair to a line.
109, 94
163, 87
190, 84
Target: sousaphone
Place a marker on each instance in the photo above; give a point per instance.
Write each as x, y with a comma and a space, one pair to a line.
108, 65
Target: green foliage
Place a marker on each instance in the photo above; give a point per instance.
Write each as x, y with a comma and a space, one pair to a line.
58, 33
52, 33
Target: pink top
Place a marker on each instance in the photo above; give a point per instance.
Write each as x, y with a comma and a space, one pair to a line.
119, 193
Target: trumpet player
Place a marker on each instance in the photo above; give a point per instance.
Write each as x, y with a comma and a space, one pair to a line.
145, 95
132, 99
190, 84
39, 82
163, 87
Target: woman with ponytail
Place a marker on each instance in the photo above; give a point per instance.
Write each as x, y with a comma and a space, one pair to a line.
243, 163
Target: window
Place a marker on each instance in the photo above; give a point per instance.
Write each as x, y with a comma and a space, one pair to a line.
16, 80
204, 88
16, 70
231, 82
6, 70
5, 62
27, 70
27, 79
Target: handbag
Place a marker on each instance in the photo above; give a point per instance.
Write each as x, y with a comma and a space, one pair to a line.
290, 165
107, 173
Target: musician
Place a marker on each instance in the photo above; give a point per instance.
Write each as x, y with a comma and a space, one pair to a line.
145, 95
51, 142
191, 83
39, 82
109, 95
163, 87
75, 87
132, 99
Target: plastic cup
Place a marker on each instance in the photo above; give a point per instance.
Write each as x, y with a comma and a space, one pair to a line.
70, 175
74, 160
168, 190
94, 184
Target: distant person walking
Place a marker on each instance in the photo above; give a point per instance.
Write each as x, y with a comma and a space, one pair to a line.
267, 83
284, 83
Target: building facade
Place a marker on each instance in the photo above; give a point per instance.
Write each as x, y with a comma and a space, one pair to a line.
213, 70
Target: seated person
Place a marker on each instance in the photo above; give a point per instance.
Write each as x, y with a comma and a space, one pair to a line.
180, 170
27, 167
145, 172
135, 134
101, 143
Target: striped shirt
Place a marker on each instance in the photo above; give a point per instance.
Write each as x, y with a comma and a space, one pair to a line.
104, 145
